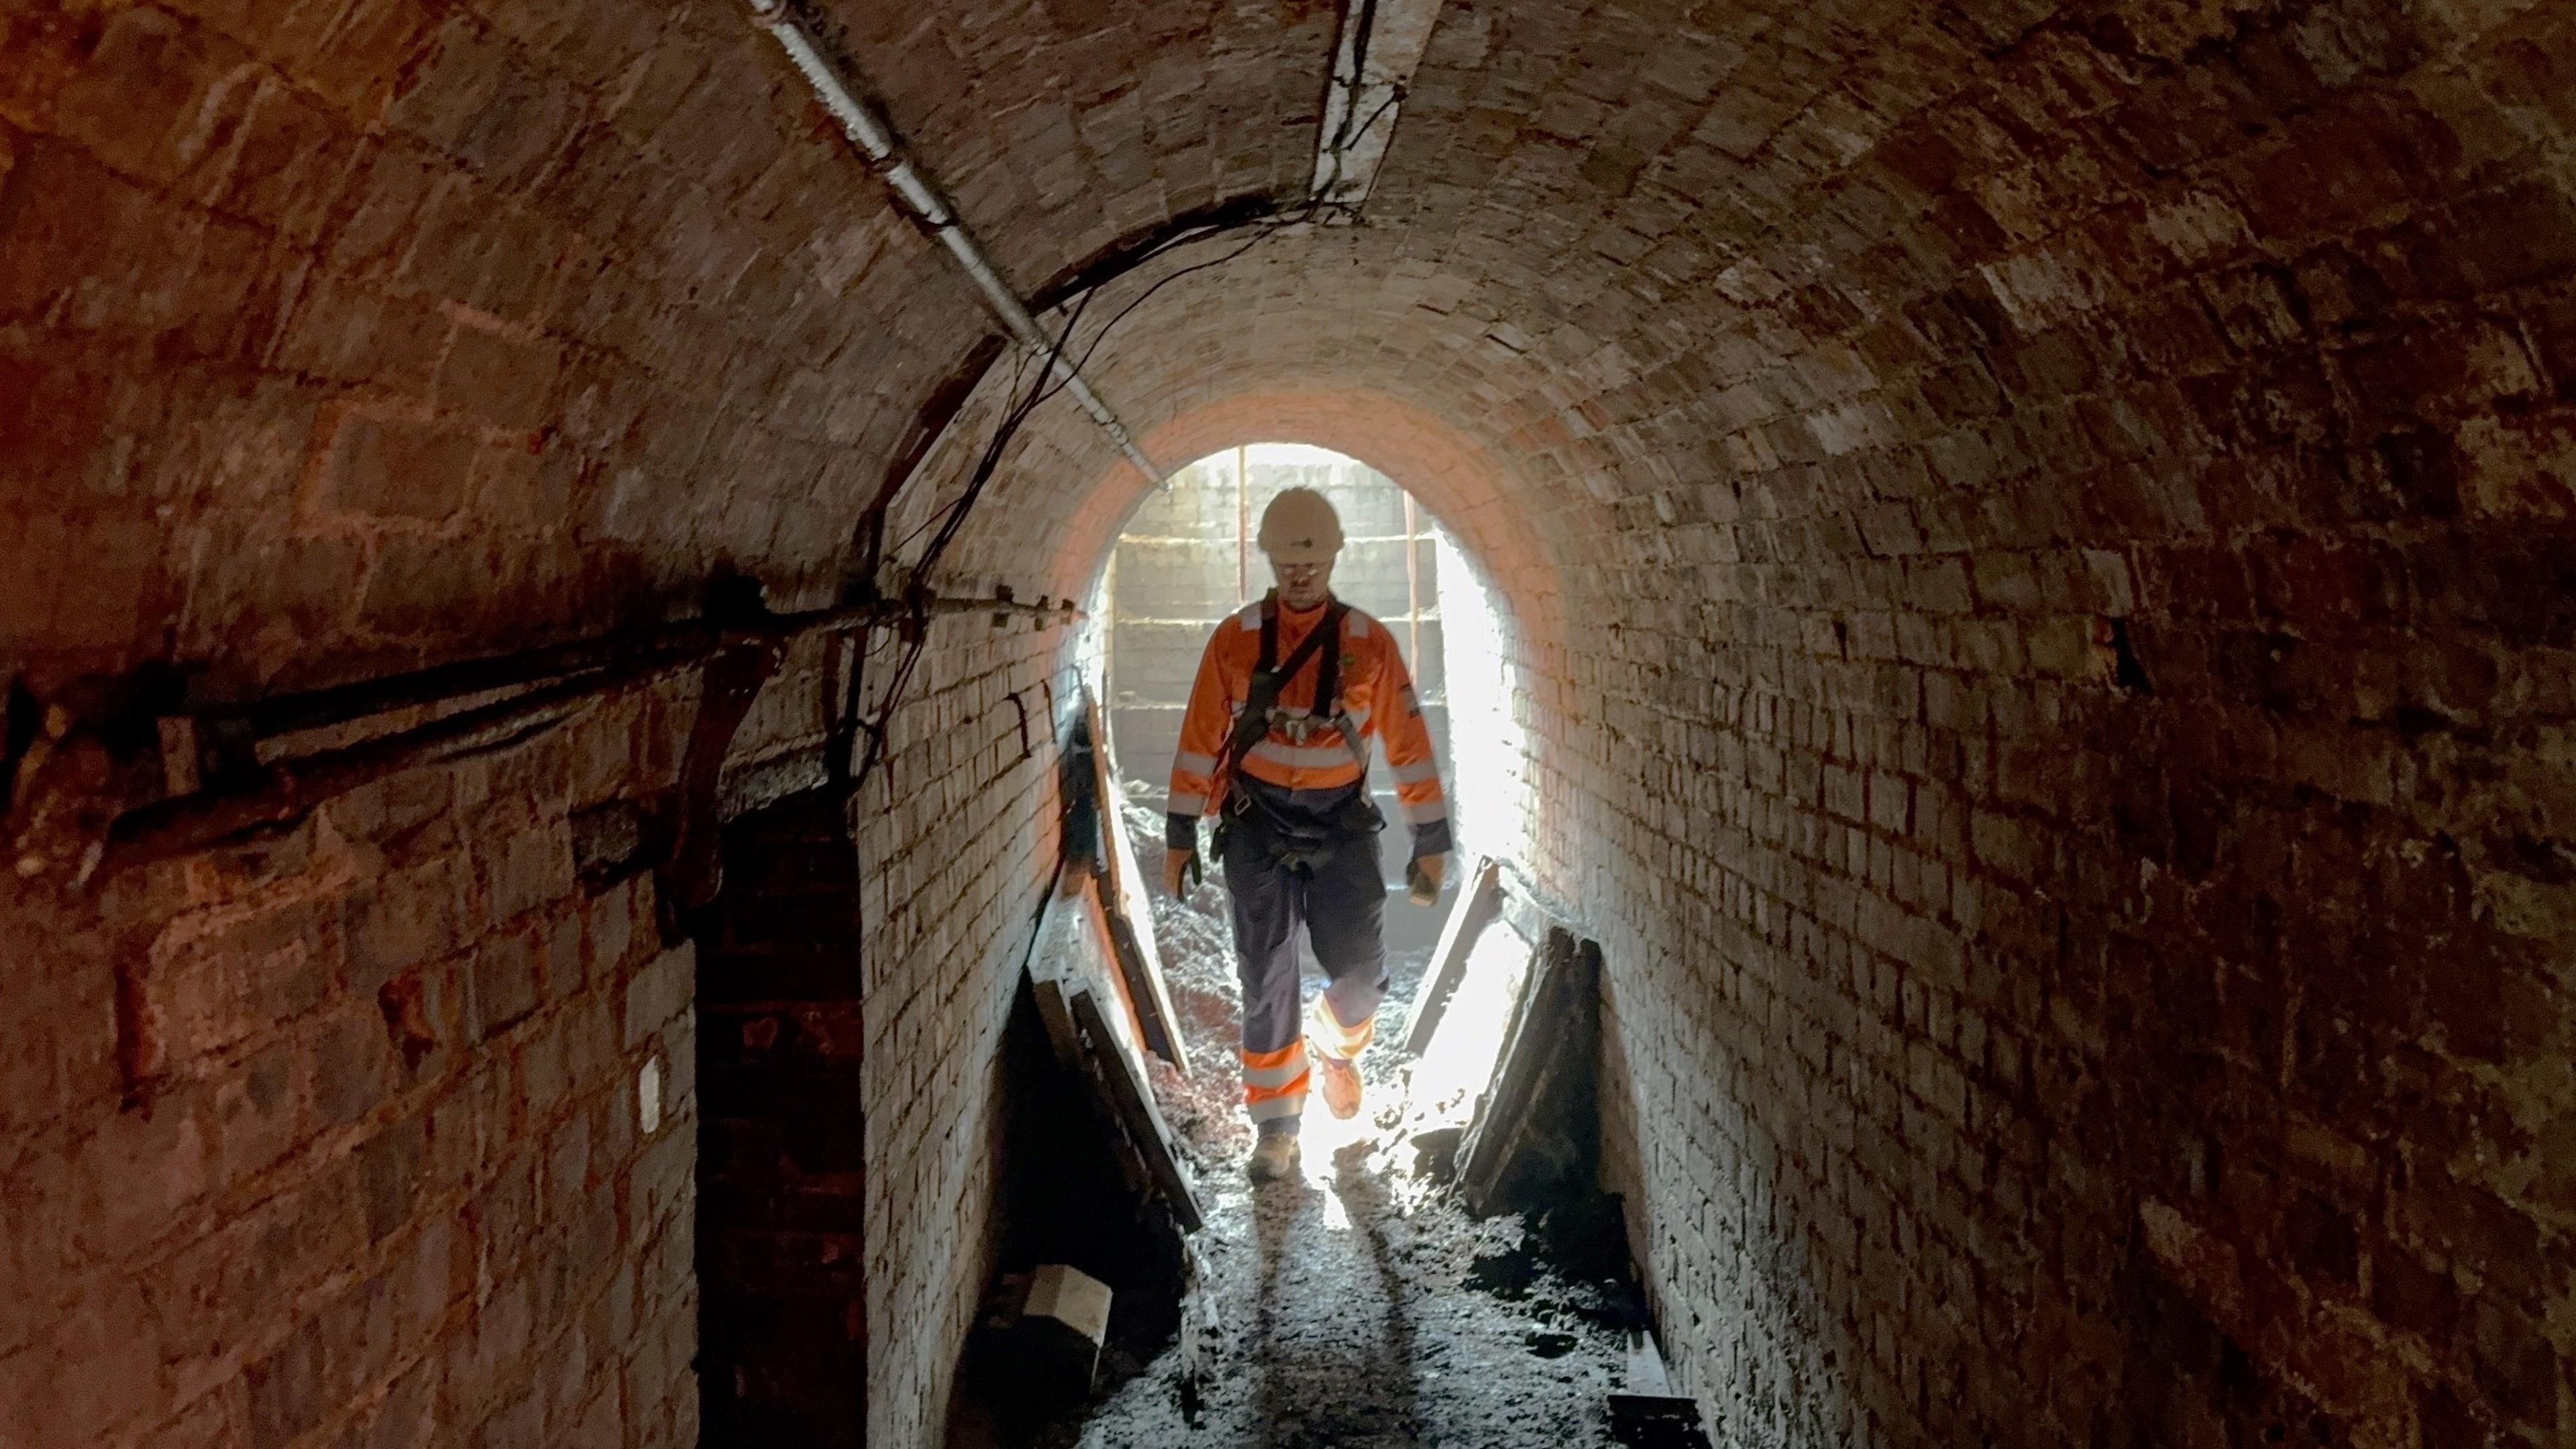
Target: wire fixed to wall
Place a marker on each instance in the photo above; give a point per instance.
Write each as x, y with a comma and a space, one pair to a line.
227, 772
1059, 368
1031, 388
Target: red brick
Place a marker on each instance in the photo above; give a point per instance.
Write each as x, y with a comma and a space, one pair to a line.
1787, 425
396, 467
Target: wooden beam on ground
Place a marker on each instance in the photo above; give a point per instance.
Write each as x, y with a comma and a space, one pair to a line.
1456, 1065
1538, 1128
1132, 1098
1645, 1413
1078, 991
1472, 912
1130, 905
1057, 1016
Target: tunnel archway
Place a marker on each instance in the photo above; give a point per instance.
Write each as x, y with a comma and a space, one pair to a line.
1460, 487
2039, 536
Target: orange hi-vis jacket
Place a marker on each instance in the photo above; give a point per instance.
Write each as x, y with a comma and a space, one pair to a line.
1303, 751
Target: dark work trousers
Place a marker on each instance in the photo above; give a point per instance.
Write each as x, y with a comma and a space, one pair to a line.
1331, 883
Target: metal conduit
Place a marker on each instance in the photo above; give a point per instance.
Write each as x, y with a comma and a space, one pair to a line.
919, 194
568, 681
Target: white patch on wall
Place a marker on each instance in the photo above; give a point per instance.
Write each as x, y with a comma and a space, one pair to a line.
1490, 799
648, 1097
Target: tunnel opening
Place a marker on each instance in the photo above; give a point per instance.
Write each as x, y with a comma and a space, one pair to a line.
1186, 560
1360, 1302
2036, 544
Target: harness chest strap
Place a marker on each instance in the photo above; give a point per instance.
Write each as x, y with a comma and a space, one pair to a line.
1328, 680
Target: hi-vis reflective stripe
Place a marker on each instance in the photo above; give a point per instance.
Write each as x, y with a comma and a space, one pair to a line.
1274, 1083
1195, 763
1186, 805
1294, 1087
1417, 772
1312, 757
1277, 1107
1428, 813
1275, 1069
1334, 1039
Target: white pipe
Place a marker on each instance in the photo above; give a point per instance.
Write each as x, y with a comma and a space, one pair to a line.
920, 195
1375, 54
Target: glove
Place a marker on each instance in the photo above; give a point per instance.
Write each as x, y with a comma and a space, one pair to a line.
1422, 876
1182, 872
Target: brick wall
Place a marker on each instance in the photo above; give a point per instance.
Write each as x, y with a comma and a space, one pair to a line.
781, 1170
386, 1174
379, 1133
1853, 404
333, 336
2005, 1048
957, 844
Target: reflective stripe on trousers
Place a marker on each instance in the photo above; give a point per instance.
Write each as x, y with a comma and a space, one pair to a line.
1341, 904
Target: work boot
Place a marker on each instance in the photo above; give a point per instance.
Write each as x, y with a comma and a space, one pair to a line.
1341, 1087
1274, 1156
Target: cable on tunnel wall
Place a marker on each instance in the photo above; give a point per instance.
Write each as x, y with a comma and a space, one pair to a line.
1051, 378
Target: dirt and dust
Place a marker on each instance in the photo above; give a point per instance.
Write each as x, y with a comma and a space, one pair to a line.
1357, 1305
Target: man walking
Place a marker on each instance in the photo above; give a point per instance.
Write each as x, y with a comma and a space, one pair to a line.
1275, 741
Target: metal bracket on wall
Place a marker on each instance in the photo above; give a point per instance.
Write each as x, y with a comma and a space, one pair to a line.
1022, 706
733, 677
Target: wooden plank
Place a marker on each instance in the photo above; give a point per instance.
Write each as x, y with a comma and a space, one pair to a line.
1057, 1016
1457, 1065
1077, 988
1130, 905
1645, 1413
1538, 1127
1473, 911
1108, 975
1657, 1421
1043, 963
1133, 1099
1646, 1373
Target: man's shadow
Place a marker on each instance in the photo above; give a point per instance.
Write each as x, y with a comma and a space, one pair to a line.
1332, 1335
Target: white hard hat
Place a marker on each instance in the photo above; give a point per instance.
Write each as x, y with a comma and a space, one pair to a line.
1300, 527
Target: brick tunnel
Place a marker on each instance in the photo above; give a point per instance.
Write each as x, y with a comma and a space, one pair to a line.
2036, 545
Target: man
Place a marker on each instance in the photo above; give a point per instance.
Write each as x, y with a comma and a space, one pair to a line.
1275, 740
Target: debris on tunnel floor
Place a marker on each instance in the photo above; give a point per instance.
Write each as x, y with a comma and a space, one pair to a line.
1358, 1304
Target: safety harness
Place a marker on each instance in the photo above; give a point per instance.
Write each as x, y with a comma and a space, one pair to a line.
1261, 715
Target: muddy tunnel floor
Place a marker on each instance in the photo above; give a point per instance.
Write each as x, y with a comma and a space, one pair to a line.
1358, 1304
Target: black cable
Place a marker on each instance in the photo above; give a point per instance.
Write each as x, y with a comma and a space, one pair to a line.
1022, 404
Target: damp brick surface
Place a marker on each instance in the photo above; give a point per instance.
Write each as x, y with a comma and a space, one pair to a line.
2035, 551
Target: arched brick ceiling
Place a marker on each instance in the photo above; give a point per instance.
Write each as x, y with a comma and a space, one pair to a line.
632, 310
1853, 282
1887, 396
1063, 127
